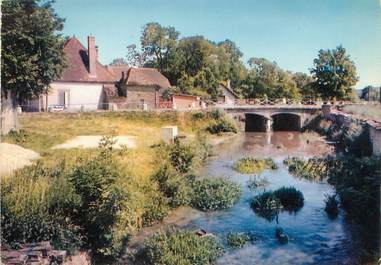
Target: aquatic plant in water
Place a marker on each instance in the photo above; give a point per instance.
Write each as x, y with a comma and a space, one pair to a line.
257, 182
290, 198
332, 205
212, 194
266, 205
237, 239
250, 165
281, 235
312, 169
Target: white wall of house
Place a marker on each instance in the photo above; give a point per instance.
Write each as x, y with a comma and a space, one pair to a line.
75, 95
229, 96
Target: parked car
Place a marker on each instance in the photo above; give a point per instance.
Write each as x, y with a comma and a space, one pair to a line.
55, 108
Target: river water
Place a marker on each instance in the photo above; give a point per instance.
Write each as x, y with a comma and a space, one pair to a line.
313, 237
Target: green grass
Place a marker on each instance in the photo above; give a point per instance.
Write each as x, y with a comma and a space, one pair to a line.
237, 240
178, 247
249, 165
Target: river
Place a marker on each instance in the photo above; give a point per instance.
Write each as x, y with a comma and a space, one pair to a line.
314, 238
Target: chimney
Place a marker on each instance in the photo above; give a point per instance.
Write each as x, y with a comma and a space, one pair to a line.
97, 52
92, 53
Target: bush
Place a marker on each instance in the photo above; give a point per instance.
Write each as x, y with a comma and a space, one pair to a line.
215, 194
198, 115
181, 156
266, 205
290, 198
178, 248
332, 205
221, 126
216, 114
249, 165
175, 187
98, 199
237, 240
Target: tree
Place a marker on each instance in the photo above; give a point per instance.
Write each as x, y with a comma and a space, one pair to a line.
304, 84
334, 73
32, 51
119, 61
157, 42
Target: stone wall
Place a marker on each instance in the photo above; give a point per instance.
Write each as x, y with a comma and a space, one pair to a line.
137, 95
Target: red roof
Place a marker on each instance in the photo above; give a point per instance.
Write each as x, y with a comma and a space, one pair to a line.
78, 64
118, 70
147, 77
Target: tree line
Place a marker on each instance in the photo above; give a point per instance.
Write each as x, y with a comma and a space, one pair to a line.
195, 65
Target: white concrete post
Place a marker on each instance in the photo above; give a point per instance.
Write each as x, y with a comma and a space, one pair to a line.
168, 133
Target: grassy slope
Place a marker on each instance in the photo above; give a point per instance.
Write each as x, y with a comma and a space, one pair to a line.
372, 111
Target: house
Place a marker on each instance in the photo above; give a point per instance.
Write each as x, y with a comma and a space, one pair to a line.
181, 102
228, 95
86, 84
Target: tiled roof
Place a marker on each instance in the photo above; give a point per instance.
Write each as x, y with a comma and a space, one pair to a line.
229, 89
117, 70
147, 77
78, 65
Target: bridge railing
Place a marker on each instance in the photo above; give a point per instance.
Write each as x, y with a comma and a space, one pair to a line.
283, 101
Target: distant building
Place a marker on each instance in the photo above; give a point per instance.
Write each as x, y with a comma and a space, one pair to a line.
228, 95
86, 84
371, 93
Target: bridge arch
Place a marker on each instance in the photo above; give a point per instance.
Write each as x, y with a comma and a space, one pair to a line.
286, 121
255, 122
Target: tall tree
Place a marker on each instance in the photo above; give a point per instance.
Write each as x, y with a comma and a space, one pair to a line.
157, 42
334, 73
32, 51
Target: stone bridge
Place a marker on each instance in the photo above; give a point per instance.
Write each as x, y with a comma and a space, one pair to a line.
272, 117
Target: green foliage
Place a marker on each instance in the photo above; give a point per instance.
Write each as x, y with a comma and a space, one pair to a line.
249, 165
332, 205
99, 199
33, 203
178, 248
174, 186
335, 74
267, 79
19, 137
312, 169
212, 194
290, 198
357, 182
237, 240
32, 50
221, 126
266, 205
181, 156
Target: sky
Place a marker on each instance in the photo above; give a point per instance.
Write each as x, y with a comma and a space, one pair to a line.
289, 32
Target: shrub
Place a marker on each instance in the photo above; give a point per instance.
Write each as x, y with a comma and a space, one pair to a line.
216, 114
237, 240
221, 126
266, 205
256, 182
215, 194
312, 169
198, 115
290, 198
99, 199
249, 165
332, 205
181, 156
178, 248
174, 186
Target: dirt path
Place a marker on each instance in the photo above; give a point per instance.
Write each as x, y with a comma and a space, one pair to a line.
13, 157
92, 141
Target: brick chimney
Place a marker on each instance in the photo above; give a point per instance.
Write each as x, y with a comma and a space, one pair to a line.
92, 52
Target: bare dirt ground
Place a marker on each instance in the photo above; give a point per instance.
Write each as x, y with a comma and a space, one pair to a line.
13, 157
92, 141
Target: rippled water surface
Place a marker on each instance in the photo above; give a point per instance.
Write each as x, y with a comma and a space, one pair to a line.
314, 238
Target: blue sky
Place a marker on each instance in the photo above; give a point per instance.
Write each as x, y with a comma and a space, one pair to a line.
290, 32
